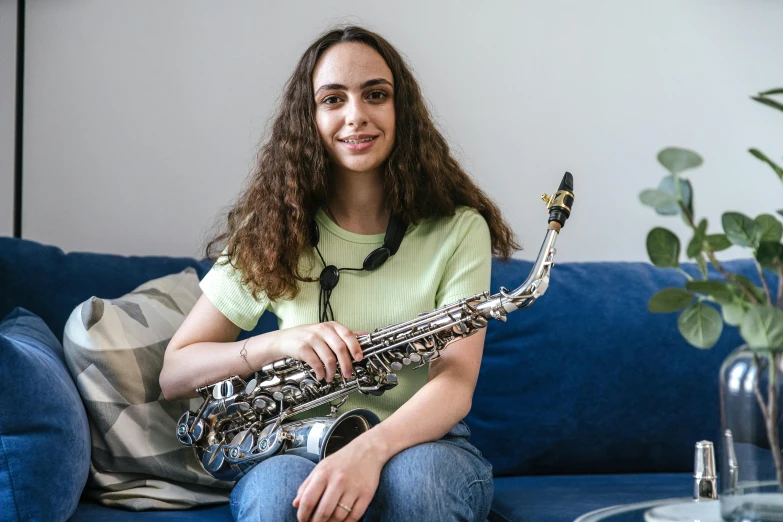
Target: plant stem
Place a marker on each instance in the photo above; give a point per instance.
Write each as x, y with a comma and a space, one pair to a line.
769, 410
687, 213
714, 260
772, 419
686, 274
763, 283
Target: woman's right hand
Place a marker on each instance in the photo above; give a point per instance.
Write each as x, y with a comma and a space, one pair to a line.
322, 346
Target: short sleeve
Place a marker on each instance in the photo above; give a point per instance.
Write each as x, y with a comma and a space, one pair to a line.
469, 268
224, 288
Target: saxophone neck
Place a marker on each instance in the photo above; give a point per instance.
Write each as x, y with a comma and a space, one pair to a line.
559, 207
537, 281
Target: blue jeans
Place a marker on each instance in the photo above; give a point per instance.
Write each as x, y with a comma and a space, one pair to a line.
445, 480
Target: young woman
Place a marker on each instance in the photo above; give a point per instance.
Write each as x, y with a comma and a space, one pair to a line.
352, 150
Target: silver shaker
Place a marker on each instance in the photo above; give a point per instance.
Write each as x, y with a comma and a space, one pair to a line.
705, 482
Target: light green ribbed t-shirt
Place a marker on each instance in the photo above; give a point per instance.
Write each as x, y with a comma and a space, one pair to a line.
441, 260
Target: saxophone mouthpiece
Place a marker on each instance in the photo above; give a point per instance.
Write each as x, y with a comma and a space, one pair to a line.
560, 204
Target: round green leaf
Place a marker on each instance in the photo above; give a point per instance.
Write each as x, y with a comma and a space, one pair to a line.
734, 313
739, 228
768, 228
762, 328
677, 160
669, 300
701, 325
668, 186
716, 289
770, 254
717, 242
663, 247
657, 198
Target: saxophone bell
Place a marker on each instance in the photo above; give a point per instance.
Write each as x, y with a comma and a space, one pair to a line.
313, 439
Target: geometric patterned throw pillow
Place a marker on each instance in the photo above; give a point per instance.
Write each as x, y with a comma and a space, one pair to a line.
114, 350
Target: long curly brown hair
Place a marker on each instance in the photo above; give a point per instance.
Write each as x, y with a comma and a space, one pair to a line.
267, 230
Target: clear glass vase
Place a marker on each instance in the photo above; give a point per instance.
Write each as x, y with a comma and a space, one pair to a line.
750, 466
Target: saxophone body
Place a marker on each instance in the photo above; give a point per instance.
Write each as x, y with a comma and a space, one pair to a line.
243, 422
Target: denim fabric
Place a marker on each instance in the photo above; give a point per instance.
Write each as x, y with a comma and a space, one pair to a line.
445, 480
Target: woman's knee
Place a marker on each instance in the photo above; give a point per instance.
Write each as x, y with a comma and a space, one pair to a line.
267, 491
433, 481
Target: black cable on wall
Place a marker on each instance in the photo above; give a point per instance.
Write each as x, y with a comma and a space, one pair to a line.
19, 117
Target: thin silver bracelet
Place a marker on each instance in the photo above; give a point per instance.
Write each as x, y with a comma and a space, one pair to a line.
243, 354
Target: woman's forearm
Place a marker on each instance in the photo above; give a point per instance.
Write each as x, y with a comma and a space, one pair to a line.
424, 417
199, 364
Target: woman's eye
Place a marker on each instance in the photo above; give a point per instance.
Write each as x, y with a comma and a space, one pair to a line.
329, 100
377, 95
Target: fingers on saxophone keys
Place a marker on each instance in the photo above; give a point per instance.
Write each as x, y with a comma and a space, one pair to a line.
314, 361
328, 359
339, 345
350, 340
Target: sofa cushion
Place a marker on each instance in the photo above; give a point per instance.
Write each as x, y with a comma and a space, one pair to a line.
586, 380
44, 438
114, 349
565, 498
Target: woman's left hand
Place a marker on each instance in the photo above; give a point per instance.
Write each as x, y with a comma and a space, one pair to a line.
346, 479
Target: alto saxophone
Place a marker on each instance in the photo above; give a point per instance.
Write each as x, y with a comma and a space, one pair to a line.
242, 422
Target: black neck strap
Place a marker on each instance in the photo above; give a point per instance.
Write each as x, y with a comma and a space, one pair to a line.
330, 275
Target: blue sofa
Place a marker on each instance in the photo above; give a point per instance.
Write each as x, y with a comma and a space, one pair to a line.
584, 400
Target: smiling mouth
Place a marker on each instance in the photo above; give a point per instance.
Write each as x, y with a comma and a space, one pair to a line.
358, 141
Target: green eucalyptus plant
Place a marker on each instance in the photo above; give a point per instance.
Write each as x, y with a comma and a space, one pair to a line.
705, 304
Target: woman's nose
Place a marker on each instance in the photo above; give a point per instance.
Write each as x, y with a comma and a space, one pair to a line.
356, 113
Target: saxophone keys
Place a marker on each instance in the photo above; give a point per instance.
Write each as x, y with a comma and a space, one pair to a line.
406, 361
480, 322
251, 385
213, 459
237, 407
415, 357
265, 403
223, 389
396, 366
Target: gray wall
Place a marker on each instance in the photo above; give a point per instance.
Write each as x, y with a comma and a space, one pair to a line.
142, 118
7, 108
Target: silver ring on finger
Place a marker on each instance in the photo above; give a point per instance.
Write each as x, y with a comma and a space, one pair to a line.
344, 507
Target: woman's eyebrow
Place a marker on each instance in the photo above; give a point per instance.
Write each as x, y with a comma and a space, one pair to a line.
368, 83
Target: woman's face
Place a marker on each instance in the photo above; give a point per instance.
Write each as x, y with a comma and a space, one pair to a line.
354, 107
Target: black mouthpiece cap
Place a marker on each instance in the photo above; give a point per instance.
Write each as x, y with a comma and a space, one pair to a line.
561, 211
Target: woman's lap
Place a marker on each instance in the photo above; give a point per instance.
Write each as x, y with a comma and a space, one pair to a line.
442, 480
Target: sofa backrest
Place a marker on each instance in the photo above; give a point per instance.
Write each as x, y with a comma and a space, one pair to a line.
586, 380
50, 283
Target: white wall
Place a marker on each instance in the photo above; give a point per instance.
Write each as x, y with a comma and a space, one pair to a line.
7, 112
142, 118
